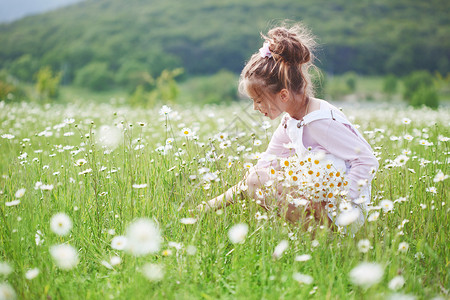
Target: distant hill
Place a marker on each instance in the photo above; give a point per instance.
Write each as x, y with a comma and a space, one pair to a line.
204, 36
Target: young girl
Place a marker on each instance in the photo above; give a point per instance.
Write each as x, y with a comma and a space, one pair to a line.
276, 78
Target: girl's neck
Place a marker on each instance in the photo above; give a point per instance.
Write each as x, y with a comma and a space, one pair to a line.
300, 107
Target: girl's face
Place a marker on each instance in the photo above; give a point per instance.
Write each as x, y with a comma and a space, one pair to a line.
269, 105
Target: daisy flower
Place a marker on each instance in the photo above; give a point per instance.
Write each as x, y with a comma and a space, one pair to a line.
237, 233
366, 274
65, 256
165, 110
61, 224
364, 246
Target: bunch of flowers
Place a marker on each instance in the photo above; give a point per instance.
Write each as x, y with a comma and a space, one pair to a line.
315, 177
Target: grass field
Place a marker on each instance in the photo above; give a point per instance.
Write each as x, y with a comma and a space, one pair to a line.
125, 178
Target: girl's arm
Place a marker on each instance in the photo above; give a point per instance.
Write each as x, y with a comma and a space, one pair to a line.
223, 200
275, 149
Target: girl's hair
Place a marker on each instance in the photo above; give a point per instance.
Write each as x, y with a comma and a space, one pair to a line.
287, 67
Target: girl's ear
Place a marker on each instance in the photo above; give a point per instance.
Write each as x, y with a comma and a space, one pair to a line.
284, 95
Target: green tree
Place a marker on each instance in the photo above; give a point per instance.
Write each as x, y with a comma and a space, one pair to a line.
427, 96
414, 81
24, 67
390, 83
166, 88
95, 76
47, 83
420, 89
350, 81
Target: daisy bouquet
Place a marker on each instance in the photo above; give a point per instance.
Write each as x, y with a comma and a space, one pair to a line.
315, 177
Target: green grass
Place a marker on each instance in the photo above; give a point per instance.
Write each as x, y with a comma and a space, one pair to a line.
102, 200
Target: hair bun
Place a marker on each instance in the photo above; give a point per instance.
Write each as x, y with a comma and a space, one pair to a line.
286, 45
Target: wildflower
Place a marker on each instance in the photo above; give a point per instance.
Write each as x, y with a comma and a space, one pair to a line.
387, 205
366, 274
425, 143
248, 165
61, 224
302, 278
364, 246
20, 193
443, 138
401, 160
396, 283
8, 136
65, 256
143, 237
257, 143
167, 252
188, 221
348, 217
115, 260
237, 233
403, 247
32, 273
187, 132
153, 272
406, 121
7, 292
419, 255
303, 257
46, 187
119, 242
165, 110
280, 248
314, 243
80, 162
439, 177
5, 269
12, 203
106, 264
139, 186
408, 137
37, 238
431, 189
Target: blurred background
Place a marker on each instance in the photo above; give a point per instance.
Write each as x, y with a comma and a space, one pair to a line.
145, 53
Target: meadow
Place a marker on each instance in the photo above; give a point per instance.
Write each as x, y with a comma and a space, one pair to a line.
96, 200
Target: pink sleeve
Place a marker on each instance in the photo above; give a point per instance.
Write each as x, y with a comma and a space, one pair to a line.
341, 141
275, 149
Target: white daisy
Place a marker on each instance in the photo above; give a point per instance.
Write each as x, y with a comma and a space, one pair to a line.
32, 273
366, 274
119, 242
65, 256
61, 224
143, 237
396, 283
237, 233
20, 193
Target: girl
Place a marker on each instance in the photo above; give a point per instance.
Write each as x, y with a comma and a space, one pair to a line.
276, 78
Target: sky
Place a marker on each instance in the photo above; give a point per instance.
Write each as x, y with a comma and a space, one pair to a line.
11, 10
